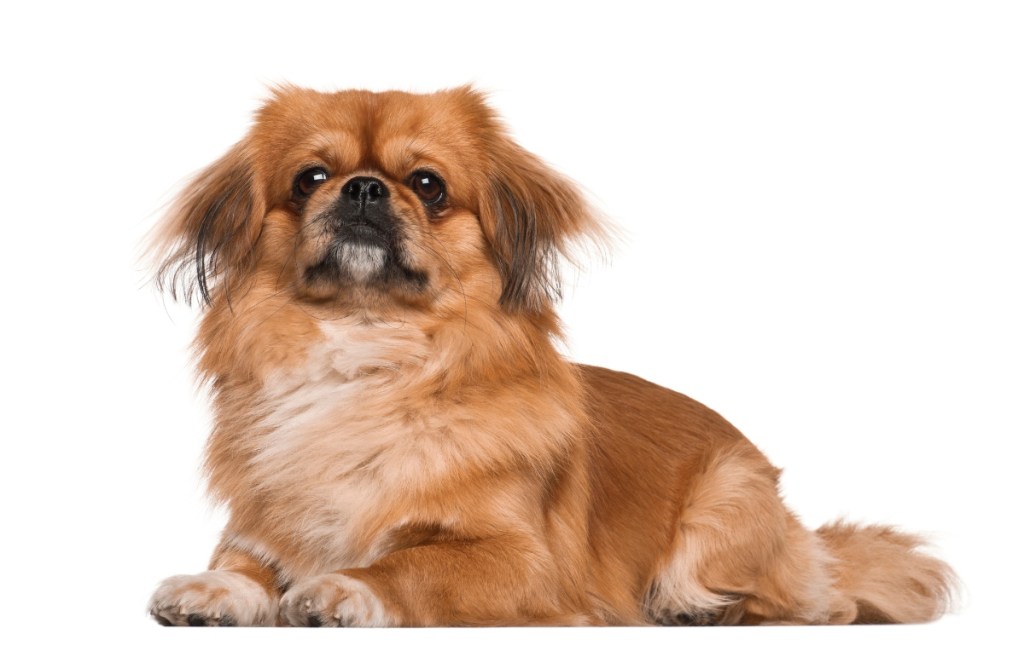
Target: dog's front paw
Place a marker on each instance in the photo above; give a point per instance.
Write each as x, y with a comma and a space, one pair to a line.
334, 601
216, 597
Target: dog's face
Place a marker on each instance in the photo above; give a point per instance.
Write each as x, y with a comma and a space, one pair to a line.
376, 202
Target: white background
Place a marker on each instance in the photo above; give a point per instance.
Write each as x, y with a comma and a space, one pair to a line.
820, 206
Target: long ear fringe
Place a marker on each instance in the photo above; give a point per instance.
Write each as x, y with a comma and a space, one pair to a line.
210, 232
535, 218
528, 263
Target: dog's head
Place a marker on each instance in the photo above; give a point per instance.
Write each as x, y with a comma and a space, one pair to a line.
375, 200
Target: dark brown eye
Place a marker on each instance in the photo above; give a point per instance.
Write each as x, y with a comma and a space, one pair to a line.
428, 186
307, 181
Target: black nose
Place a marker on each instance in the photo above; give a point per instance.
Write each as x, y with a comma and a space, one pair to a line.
365, 190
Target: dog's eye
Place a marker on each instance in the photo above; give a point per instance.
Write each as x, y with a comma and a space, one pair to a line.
307, 181
428, 186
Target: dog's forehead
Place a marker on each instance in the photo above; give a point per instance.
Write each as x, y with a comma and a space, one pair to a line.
373, 122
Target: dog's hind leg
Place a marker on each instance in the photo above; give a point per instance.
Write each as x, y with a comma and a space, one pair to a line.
740, 557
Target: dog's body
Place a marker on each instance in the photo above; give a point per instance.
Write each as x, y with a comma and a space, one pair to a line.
397, 439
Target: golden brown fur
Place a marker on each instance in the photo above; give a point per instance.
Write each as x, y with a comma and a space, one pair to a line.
396, 438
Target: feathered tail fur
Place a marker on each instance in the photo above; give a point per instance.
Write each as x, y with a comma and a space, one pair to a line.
879, 576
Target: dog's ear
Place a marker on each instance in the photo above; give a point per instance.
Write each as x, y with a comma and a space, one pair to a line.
530, 214
208, 238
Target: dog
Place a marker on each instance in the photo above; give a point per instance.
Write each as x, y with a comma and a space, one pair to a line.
399, 443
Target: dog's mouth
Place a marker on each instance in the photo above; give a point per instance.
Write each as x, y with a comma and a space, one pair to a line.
363, 230
363, 257
362, 254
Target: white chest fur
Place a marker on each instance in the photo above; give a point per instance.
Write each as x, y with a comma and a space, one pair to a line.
338, 439
365, 437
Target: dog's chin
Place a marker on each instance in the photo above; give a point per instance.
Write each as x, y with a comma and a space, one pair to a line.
358, 266
360, 261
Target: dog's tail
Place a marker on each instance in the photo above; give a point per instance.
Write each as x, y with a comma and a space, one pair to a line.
880, 577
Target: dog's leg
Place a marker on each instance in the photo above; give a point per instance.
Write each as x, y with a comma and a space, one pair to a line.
740, 557
471, 582
237, 590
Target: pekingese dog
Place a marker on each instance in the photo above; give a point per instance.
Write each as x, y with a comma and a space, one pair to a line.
399, 443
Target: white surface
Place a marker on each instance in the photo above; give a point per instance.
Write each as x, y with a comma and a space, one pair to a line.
822, 208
